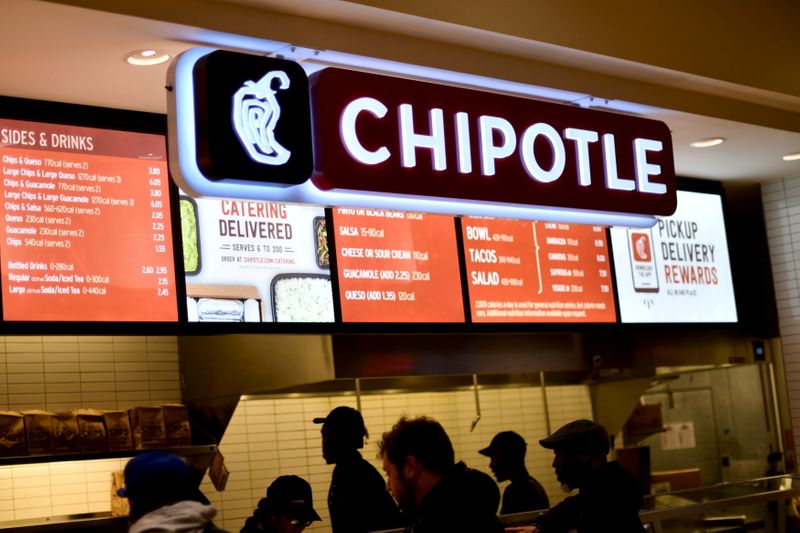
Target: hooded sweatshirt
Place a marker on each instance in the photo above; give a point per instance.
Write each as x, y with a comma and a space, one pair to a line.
182, 517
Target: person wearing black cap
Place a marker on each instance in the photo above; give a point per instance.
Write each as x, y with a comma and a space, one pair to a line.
608, 499
507, 454
440, 495
358, 501
163, 497
288, 508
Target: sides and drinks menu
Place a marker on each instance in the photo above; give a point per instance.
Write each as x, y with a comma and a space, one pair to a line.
86, 233
396, 266
522, 271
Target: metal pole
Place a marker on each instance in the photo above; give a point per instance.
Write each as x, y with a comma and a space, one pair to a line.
477, 403
544, 401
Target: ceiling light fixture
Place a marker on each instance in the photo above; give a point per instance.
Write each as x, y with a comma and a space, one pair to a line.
707, 142
145, 58
792, 157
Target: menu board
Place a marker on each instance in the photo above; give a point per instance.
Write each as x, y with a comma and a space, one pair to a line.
395, 266
252, 261
677, 271
522, 271
86, 233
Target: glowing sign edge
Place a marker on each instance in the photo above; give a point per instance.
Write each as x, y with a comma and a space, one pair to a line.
187, 175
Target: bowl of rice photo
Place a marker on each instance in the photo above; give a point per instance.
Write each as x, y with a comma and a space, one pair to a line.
302, 298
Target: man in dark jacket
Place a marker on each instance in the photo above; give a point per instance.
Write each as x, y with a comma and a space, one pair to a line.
608, 499
358, 501
438, 495
524, 493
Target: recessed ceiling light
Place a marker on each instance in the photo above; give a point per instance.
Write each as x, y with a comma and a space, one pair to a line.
705, 143
792, 157
144, 58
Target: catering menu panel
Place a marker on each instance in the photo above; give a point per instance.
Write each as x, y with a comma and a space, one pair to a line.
678, 271
522, 271
395, 266
86, 233
253, 261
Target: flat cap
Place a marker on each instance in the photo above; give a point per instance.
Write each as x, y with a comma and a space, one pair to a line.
576, 434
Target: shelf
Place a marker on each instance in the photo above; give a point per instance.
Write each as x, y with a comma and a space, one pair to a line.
186, 451
86, 523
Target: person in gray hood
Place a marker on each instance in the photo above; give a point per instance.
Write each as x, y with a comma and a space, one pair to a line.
163, 498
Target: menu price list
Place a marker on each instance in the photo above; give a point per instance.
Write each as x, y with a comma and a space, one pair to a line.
397, 266
85, 236
522, 271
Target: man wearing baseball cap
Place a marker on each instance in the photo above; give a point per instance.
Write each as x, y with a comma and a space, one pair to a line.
507, 454
608, 499
358, 501
163, 497
288, 508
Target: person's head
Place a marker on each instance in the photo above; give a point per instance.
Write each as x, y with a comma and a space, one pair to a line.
155, 479
416, 453
288, 507
343, 432
579, 447
507, 454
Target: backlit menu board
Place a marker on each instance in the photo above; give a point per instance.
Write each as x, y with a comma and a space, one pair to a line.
395, 266
86, 233
678, 271
253, 261
522, 271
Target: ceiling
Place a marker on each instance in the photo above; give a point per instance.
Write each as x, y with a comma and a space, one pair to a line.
71, 54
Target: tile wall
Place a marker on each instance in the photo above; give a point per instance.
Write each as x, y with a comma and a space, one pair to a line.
59, 373
781, 200
272, 436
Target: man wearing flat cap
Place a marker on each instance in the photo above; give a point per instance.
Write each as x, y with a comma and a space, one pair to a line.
608, 496
358, 500
507, 454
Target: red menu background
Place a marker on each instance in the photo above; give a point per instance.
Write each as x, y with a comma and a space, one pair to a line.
395, 266
521, 271
87, 231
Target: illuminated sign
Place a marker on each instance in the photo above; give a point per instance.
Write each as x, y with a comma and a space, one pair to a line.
679, 270
252, 119
397, 136
392, 143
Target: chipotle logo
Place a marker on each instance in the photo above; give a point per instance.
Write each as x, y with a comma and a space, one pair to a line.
397, 136
247, 126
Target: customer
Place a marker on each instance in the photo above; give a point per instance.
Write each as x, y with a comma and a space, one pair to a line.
439, 495
524, 493
357, 500
163, 498
288, 508
608, 499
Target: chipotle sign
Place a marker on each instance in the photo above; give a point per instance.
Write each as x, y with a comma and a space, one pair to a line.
392, 135
385, 142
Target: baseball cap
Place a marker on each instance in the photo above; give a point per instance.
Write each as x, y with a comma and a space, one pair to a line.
292, 495
345, 420
578, 433
155, 471
505, 442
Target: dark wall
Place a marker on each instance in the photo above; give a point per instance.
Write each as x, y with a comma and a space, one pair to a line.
749, 252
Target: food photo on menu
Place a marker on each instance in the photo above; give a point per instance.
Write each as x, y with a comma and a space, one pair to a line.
253, 261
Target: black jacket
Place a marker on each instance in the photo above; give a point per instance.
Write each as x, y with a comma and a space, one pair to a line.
464, 500
610, 500
358, 500
524, 494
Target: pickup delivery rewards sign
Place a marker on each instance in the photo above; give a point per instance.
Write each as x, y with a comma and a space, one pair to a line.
678, 270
